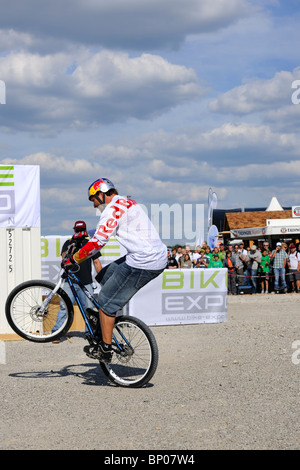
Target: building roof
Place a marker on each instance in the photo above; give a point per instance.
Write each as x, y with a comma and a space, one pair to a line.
237, 220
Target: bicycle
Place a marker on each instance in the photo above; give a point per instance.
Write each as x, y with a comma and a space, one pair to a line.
31, 311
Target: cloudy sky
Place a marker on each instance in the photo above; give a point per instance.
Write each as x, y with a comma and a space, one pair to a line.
167, 98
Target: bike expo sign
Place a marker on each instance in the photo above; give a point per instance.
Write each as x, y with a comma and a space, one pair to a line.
183, 296
175, 297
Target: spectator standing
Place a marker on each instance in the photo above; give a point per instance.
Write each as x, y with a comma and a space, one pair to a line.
82, 271
222, 252
181, 258
229, 264
215, 262
196, 255
179, 253
294, 268
253, 260
188, 251
186, 262
208, 253
243, 251
279, 257
266, 245
202, 261
238, 260
264, 271
172, 263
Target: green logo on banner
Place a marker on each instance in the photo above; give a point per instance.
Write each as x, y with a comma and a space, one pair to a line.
6, 175
176, 280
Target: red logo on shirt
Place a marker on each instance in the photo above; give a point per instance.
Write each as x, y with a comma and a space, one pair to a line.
106, 229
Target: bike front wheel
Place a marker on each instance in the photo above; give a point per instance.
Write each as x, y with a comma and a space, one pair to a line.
25, 316
135, 356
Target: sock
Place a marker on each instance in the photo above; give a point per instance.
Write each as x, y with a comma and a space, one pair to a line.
105, 346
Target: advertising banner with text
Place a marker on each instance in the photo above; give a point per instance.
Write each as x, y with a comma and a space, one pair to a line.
183, 296
175, 297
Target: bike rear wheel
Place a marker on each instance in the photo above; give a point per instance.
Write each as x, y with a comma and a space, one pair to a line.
23, 313
135, 357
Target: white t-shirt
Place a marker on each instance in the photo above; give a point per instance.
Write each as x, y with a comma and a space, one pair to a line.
125, 220
294, 259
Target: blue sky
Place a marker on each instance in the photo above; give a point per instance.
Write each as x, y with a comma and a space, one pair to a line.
166, 98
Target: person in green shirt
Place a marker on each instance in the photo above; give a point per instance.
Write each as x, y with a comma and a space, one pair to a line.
215, 262
208, 253
264, 270
222, 252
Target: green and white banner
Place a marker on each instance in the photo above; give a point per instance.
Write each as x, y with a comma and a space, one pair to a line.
19, 196
183, 296
175, 297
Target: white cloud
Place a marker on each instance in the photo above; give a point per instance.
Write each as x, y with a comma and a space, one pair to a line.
257, 95
108, 73
76, 90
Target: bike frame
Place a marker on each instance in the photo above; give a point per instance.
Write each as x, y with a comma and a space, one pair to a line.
71, 278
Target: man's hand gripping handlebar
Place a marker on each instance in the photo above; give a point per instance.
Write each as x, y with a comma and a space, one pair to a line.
68, 260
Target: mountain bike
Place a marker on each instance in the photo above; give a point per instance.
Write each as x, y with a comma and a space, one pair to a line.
31, 310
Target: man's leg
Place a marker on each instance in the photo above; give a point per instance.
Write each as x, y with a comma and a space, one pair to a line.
282, 277
276, 279
61, 315
107, 326
254, 279
103, 351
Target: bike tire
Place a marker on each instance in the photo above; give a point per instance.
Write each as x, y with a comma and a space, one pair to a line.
22, 306
135, 365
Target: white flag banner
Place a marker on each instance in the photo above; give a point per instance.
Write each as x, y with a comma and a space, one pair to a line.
19, 196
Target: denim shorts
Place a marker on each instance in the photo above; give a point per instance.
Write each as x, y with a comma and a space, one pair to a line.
119, 283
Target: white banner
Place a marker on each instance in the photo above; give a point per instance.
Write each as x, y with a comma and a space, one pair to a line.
19, 196
182, 297
175, 297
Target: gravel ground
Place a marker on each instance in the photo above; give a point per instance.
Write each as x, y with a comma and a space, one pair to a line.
233, 385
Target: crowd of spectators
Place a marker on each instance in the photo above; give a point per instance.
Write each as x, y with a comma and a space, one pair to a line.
263, 268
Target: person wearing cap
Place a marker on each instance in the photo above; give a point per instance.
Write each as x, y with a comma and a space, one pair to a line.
294, 268
83, 272
215, 262
253, 260
279, 258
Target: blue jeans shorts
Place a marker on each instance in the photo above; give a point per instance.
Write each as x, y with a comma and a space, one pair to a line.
119, 283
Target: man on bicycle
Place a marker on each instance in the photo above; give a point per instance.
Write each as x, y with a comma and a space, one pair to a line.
146, 256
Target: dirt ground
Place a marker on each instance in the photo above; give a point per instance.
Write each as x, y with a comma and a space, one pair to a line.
232, 385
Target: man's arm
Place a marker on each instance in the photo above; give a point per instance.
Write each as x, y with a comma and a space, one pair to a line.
97, 264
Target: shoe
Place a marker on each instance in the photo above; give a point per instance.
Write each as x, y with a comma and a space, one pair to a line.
99, 352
